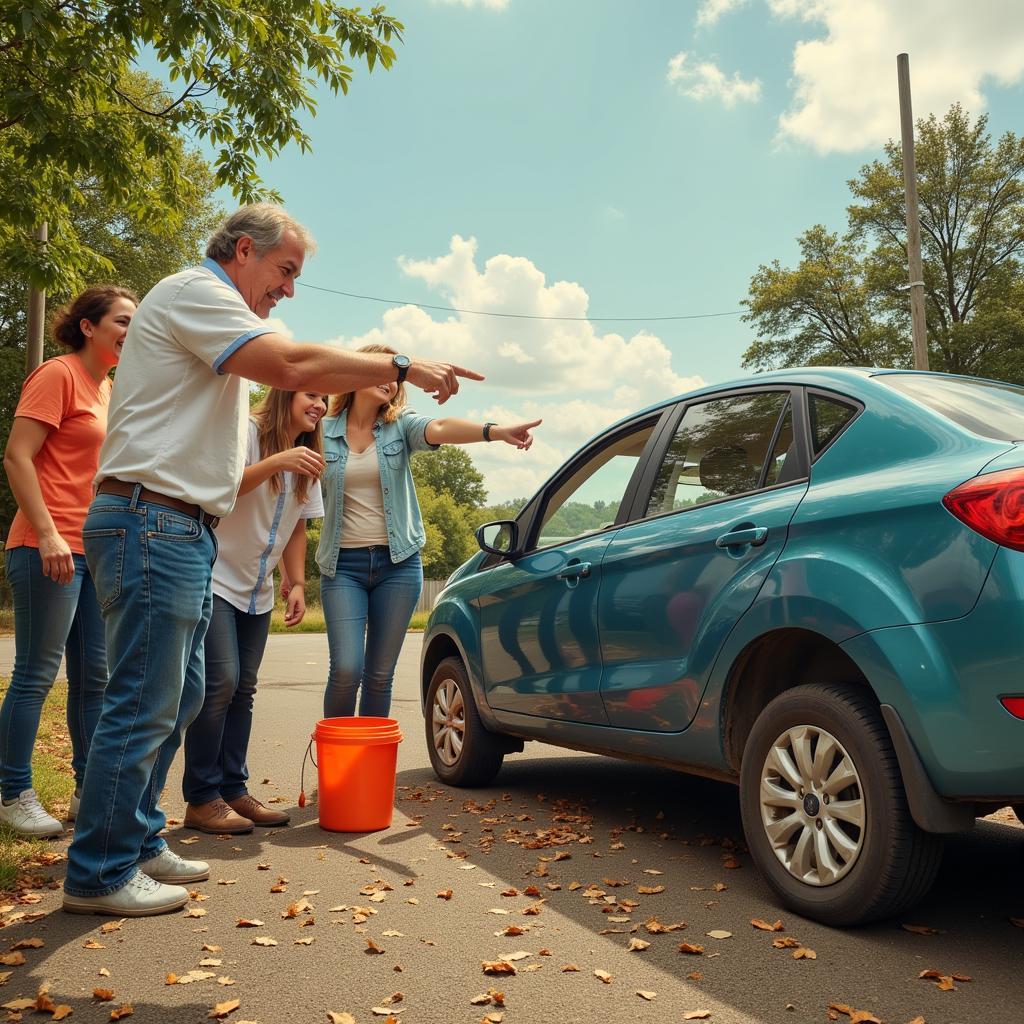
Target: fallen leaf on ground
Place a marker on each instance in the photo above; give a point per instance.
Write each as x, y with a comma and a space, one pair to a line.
637, 944
264, 940
649, 890
104, 995
104, 973
697, 1015
719, 887
112, 926
445, 894
225, 981
942, 981
372, 947
497, 967
569, 968
61, 1011
655, 927
691, 947
603, 976
12, 959
340, 1018
392, 934
208, 948
245, 922
28, 944
122, 1011
92, 944
764, 926
195, 912
221, 1010
803, 953
719, 933
481, 1000
15, 1005
210, 961
921, 929
646, 995
731, 863
383, 1011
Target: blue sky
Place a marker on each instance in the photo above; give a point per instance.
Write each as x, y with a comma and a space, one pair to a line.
591, 158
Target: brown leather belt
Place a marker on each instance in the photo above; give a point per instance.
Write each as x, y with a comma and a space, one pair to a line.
111, 485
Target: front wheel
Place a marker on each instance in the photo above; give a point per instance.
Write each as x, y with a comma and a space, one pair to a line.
824, 810
462, 751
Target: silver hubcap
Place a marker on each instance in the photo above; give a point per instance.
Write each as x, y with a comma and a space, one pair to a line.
448, 722
812, 805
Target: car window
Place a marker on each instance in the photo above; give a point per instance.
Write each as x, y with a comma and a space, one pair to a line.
719, 450
828, 417
589, 499
783, 465
984, 407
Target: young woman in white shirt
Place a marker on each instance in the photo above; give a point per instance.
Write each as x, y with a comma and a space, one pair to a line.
280, 490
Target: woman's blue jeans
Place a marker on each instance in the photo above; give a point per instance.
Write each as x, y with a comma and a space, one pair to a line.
367, 608
51, 620
217, 741
153, 568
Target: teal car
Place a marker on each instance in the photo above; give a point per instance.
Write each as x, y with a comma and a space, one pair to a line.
809, 582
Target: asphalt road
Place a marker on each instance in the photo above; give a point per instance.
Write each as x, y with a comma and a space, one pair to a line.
639, 826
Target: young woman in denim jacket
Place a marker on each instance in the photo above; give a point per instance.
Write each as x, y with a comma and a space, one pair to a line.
369, 552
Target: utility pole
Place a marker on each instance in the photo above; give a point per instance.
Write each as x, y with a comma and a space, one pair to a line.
919, 330
36, 314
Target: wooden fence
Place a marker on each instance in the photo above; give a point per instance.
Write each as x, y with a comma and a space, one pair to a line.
431, 588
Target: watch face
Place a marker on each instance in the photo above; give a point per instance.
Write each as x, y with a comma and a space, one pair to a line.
402, 362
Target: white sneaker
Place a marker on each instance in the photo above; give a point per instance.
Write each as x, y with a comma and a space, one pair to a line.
76, 801
167, 866
140, 896
28, 817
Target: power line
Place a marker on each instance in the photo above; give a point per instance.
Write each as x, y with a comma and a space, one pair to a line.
518, 316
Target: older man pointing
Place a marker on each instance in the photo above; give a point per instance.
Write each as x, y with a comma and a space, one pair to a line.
170, 467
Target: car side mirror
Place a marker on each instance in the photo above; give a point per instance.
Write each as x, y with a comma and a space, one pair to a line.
500, 538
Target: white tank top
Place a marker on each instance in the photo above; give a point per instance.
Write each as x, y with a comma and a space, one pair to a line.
363, 522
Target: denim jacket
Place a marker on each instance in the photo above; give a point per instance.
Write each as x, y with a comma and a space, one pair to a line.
395, 443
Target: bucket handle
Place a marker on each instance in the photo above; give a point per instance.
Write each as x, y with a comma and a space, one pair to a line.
302, 775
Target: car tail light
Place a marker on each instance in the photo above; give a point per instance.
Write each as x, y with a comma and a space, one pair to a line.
992, 505
1015, 705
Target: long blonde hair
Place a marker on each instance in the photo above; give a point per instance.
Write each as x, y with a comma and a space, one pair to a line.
273, 418
389, 411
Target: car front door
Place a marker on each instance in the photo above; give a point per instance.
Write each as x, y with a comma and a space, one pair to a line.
540, 649
707, 529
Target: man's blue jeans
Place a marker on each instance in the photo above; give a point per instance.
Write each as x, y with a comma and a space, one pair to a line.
217, 741
367, 608
152, 567
51, 620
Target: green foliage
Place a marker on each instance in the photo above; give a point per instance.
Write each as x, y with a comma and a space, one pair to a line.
450, 470
74, 113
845, 301
449, 531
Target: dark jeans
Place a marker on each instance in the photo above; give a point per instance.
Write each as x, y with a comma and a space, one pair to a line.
50, 619
367, 608
217, 742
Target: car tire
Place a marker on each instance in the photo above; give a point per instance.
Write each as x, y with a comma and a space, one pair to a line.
462, 751
840, 856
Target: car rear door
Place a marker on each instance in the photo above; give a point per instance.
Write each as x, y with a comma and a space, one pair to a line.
708, 524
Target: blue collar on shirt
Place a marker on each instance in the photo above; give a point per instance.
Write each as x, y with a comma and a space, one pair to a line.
219, 271
337, 426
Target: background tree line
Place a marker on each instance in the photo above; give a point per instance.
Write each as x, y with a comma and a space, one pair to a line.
845, 301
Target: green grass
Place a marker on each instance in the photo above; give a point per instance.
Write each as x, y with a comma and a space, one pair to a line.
313, 621
52, 778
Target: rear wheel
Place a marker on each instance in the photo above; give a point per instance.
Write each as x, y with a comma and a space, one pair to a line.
824, 810
462, 751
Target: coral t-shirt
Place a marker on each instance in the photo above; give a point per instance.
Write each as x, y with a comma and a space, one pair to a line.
63, 395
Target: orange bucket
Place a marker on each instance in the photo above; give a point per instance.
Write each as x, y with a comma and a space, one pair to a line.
356, 760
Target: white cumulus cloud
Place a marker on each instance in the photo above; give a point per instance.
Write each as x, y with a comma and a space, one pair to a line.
494, 5
711, 10
564, 371
844, 79
704, 80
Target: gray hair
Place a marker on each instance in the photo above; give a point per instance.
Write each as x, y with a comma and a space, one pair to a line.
264, 223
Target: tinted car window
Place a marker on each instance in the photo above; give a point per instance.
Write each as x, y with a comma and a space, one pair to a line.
589, 499
828, 417
984, 407
782, 465
718, 451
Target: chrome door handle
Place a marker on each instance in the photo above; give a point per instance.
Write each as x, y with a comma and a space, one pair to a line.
755, 536
574, 572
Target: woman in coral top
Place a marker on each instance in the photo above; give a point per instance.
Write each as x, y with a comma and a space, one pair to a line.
51, 459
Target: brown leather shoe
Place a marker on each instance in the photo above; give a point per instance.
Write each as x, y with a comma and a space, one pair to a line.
256, 812
216, 818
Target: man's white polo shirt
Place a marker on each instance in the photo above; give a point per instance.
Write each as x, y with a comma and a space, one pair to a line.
177, 422
252, 538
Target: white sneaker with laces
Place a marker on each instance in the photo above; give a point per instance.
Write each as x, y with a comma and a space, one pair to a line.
76, 801
140, 896
167, 866
28, 817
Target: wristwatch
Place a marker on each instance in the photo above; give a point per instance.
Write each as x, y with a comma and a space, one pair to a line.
402, 364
